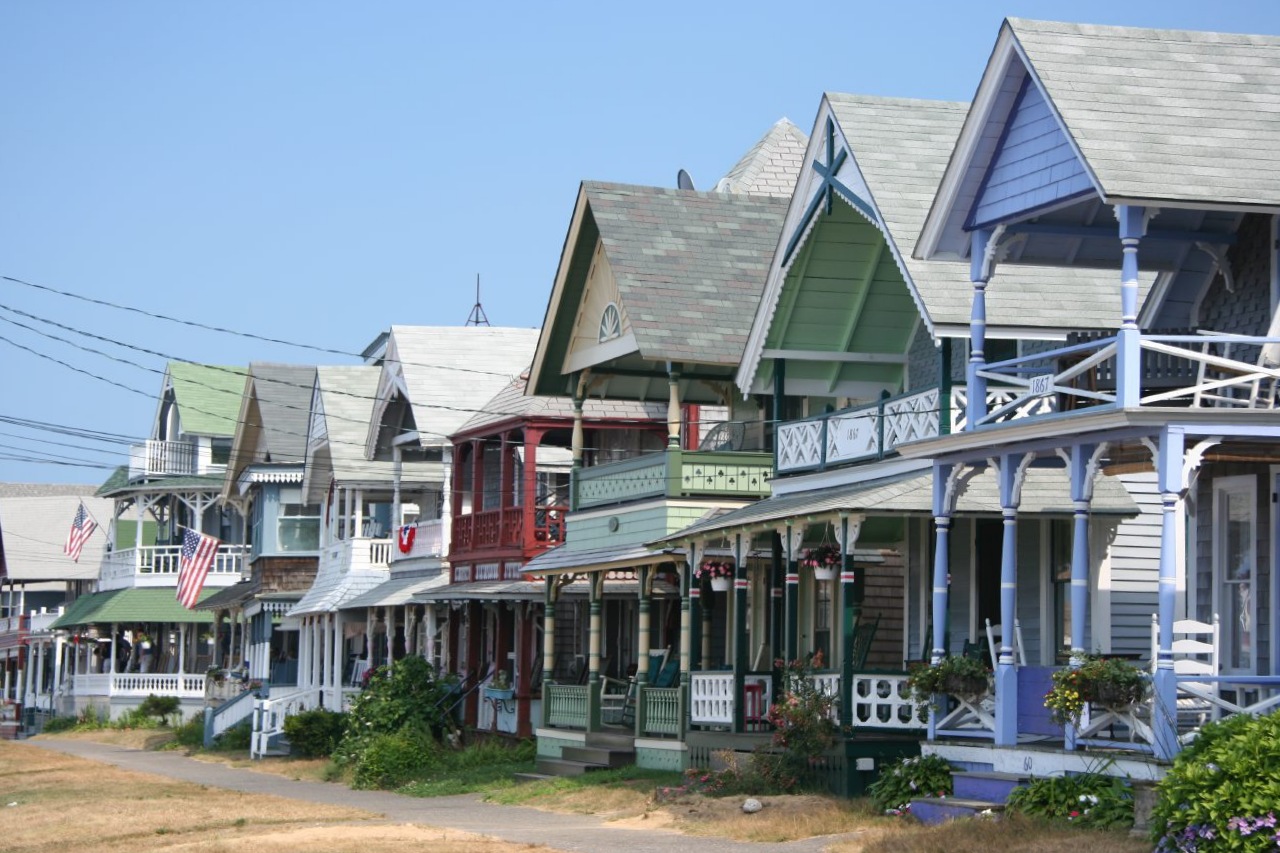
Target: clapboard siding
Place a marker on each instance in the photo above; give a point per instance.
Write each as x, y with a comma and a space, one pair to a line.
1135, 568
1035, 165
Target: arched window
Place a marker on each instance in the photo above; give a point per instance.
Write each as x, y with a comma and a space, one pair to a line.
610, 323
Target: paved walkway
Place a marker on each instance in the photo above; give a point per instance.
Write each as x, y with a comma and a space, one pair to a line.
466, 812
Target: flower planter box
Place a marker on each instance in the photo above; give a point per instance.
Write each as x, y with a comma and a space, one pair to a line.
824, 574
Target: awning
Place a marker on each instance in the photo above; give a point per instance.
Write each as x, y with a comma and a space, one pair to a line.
227, 597
397, 592
332, 593
562, 559
484, 591
131, 605
1046, 491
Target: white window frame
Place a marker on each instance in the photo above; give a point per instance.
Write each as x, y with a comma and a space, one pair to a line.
1246, 486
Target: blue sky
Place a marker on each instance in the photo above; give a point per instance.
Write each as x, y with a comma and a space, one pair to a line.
315, 172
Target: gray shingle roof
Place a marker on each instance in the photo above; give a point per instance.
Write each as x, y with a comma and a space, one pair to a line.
511, 402
689, 266
346, 393
34, 530
443, 396
902, 147
284, 400
771, 166
1165, 114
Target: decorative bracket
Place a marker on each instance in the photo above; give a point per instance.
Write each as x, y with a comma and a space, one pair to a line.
1192, 459
1221, 263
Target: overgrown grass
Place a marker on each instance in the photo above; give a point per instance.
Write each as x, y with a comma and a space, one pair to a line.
485, 766
1012, 834
550, 791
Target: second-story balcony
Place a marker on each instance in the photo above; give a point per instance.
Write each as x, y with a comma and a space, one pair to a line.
162, 459
158, 565
874, 430
428, 542
505, 528
675, 474
356, 554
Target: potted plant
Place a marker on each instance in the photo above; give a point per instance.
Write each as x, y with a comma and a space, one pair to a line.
1111, 683
719, 571
499, 687
824, 561
965, 677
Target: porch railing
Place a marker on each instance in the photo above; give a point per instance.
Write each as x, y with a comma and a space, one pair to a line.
158, 565
182, 685
674, 474
162, 459
428, 541
567, 706
1181, 370
711, 698
875, 430
228, 714
269, 715
661, 711
883, 701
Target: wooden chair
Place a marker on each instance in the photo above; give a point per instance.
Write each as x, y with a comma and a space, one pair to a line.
995, 635
1232, 385
863, 634
1195, 652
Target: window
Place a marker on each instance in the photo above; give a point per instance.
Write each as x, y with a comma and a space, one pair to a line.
610, 323
298, 527
219, 451
1235, 510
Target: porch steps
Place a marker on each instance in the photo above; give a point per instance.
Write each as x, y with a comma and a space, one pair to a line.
601, 751
976, 792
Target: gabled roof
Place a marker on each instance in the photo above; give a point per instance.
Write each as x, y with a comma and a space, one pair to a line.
511, 403
346, 398
1166, 119
897, 151
688, 267
34, 528
274, 416
772, 164
1164, 114
447, 374
207, 397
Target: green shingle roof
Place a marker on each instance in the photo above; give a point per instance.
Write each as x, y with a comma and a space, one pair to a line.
131, 605
208, 397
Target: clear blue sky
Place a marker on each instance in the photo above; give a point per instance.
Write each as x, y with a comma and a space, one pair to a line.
318, 171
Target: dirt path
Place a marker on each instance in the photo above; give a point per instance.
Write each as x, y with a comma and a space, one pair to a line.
566, 832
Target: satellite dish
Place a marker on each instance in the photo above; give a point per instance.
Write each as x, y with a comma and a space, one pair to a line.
683, 181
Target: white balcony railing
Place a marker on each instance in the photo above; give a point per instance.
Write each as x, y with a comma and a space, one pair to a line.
428, 541
158, 565
357, 554
162, 459
139, 684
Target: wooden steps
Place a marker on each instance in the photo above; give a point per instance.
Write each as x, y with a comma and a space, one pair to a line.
975, 793
600, 752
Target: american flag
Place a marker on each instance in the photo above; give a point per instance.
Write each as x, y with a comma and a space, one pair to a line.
198, 551
81, 529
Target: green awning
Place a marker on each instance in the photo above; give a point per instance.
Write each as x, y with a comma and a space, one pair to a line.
131, 605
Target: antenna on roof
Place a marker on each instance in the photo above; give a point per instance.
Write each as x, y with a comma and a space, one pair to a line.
477, 317
683, 180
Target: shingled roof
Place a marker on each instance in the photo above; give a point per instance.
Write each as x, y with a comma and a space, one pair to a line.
511, 403
772, 164
208, 397
1144, 106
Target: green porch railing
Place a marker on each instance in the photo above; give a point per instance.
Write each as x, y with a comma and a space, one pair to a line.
661, 711
567, 706
673, 474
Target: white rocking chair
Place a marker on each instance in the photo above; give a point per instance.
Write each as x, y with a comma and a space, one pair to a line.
1195, 652
1233, 384
995, 635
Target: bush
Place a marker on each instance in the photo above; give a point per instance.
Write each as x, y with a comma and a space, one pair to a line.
135, 718
919, 776
1223, 791
389, 761
1087, 799
406, 695
802, 726
160, 706
315, 733
234, 739
59, 724
190, 735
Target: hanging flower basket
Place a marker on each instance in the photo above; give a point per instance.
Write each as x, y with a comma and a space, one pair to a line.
720, 573
824, 561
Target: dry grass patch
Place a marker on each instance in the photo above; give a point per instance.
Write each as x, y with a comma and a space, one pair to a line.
369, 839
1011, 835
782, 819
128, 738
297, 769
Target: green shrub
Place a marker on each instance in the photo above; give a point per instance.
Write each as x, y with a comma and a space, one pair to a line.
918, 776
135, 718
190, 735
956, 675
1223, 791
409, 694
59, 724
388, 761
315, 733
234, 739
160, 706
1086, 799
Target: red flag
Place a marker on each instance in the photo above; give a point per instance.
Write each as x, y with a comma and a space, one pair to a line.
81, 529
198, 551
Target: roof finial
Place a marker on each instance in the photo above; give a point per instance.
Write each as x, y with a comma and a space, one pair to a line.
477, 317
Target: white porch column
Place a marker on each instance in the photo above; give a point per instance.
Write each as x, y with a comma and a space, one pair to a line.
357, 519
339, 664
182, 647
673, 406
115, 629
979, 273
